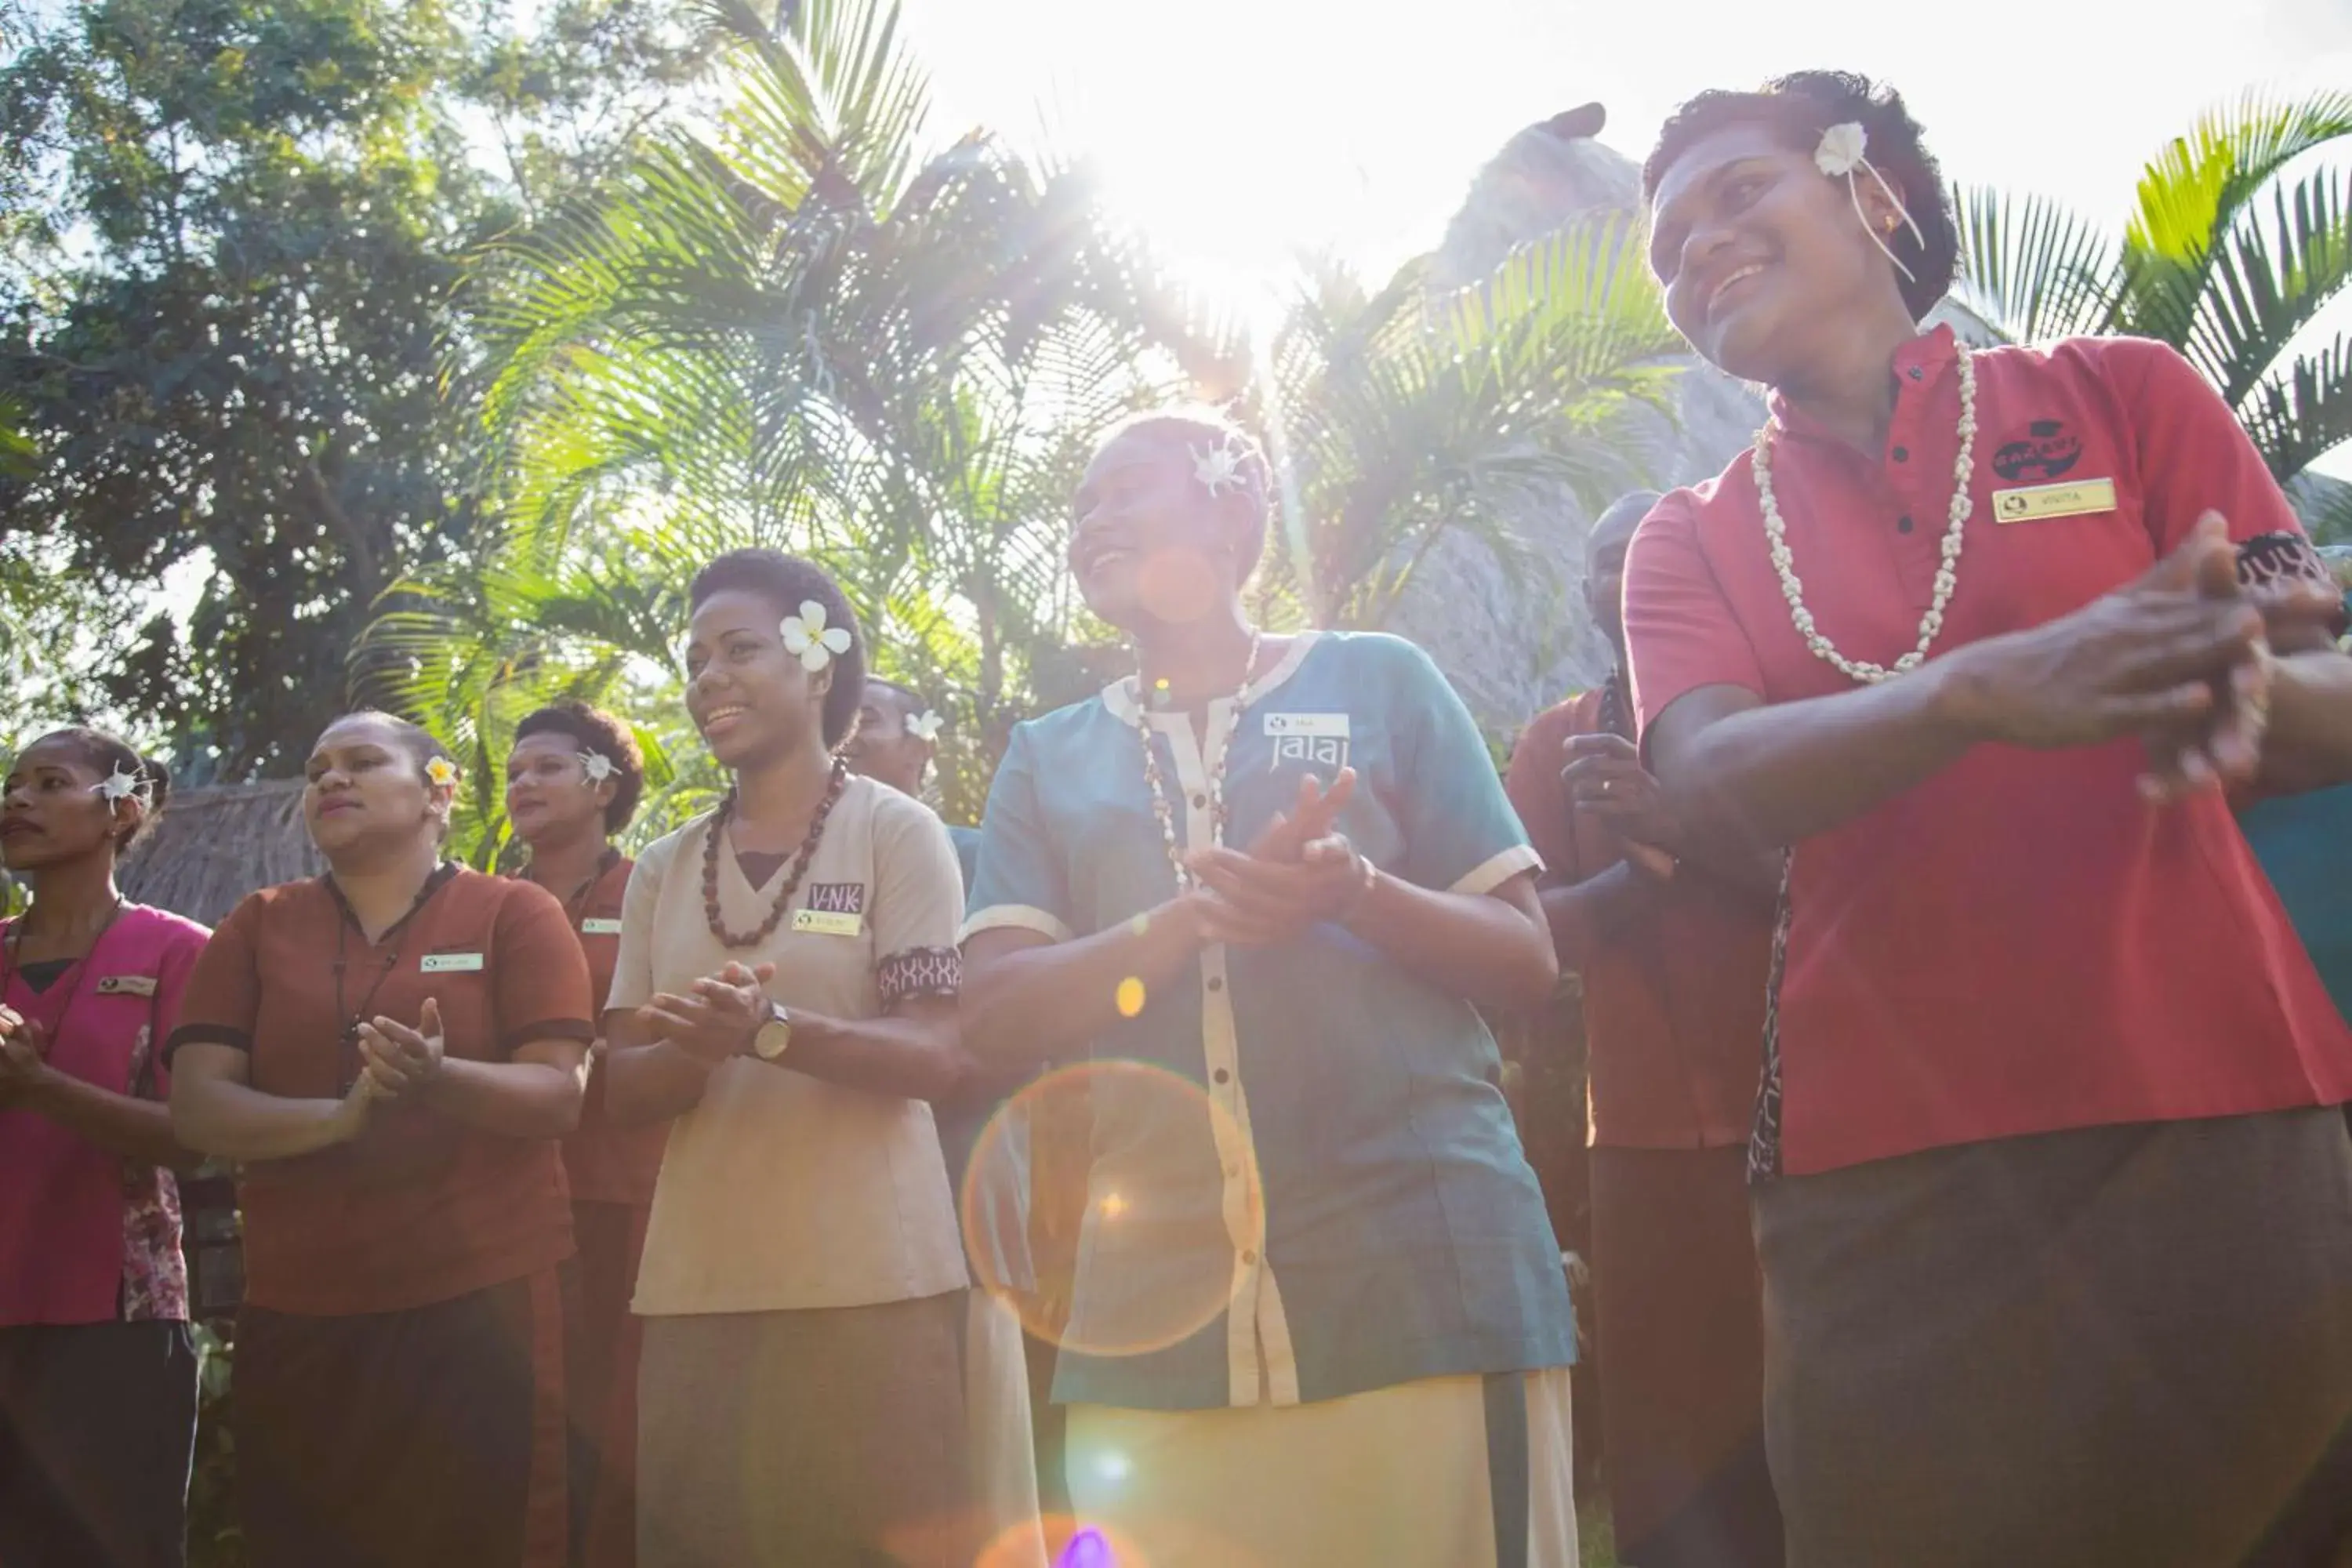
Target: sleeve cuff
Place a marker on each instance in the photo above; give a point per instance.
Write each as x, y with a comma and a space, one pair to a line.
1496, 870
1016, 917
576, 1030
207, 1034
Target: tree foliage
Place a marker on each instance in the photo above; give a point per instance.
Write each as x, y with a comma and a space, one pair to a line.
232, 243
2239, 238
809, 326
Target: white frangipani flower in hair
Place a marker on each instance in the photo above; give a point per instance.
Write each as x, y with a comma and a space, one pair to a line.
1845, 147
442, 771
925, 726
1842, 150
121, 784
1218, 468
811, 640
596, 766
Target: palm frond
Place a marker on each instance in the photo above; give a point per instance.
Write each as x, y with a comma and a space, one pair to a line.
2033, 270
2301, 412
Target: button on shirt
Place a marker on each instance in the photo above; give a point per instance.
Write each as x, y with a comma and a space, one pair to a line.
1396, 1231
2019, 944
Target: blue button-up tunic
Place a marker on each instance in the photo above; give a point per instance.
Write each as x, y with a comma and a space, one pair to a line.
1346, 1176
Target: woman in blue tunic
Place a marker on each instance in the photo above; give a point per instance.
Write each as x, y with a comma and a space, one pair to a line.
1281, 872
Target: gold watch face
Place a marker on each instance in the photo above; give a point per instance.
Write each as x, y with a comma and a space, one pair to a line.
774, 1036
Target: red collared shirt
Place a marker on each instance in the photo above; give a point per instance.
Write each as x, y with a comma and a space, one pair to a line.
1673, 1006
2020, 944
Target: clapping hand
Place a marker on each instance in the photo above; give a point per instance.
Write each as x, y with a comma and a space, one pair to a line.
2227, 751
1605, 777
1298, 872
2176, 658
24, 1056
1311, 817
400, 1062
719, 1019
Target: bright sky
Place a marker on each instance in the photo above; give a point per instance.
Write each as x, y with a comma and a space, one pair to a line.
1239, 132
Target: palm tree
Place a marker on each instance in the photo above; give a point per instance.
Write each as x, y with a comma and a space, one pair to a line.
2230, 256
1405, 421
792, 330
788, 331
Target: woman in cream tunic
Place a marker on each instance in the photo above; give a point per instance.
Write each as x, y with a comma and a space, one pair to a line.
786, 988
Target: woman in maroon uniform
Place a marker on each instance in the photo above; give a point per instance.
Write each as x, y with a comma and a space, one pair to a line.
391, 1052
574, 779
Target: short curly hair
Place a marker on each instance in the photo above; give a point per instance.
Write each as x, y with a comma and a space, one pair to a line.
1797, 108
594, 730
787, 582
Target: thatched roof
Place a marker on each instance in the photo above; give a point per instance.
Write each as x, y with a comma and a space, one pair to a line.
214, 846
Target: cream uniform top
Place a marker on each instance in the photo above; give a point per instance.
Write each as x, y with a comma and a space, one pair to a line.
780, 1191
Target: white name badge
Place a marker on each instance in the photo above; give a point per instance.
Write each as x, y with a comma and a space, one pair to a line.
2036, 503
126, 985
1320, 726
828, 922
450, 962
600, 927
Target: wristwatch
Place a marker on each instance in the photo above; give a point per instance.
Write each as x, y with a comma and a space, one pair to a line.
775, 1035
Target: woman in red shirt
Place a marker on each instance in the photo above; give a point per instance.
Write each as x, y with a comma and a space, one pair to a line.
391, 1052
2056, 1227
574, 779
98, 1375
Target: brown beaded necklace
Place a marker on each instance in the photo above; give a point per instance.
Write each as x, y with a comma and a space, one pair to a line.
792, 884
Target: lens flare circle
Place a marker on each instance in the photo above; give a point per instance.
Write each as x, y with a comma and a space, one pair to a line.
1135, 1169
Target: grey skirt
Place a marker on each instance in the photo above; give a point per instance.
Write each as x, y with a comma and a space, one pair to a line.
821, 1438
2126, 1346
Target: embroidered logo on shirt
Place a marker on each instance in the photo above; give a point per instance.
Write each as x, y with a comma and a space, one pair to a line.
2034, 503
1318, 740
126, 985
2046, 451
451, 964
837, 898
600, 927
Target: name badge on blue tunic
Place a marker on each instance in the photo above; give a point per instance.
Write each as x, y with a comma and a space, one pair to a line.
1317, 739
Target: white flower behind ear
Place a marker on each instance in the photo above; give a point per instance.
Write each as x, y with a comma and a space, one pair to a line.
1218, 468
925, 726
596, 766
807, 636
443, 772
121, 784
1842, 150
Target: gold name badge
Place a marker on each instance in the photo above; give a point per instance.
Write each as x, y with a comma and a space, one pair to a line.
126, 985
2038, 504
600, 927
826, 922
450, 962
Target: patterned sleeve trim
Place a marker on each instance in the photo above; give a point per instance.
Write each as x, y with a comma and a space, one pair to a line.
920, 972
2269, 558
2274, 558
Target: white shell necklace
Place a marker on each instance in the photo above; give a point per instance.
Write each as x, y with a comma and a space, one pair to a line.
1185, 880
1931, 624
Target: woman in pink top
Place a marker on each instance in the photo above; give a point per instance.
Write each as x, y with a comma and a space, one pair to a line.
98, 1375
